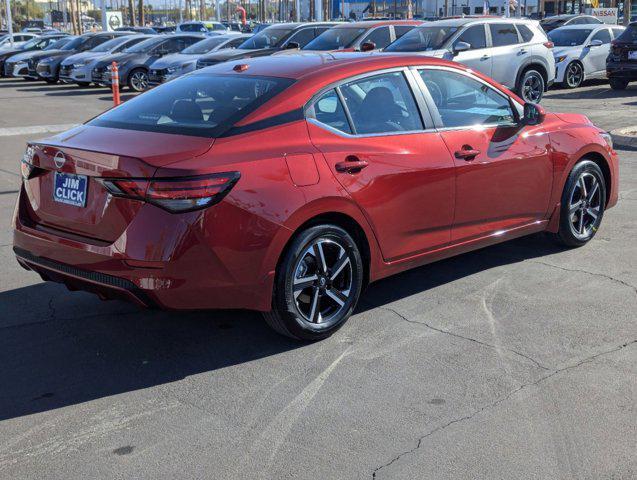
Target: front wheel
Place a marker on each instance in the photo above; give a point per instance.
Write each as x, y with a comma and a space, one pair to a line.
138, 80
582, 206
574, 75
83, 84
317, 285
531, 86
618, 83
51, 81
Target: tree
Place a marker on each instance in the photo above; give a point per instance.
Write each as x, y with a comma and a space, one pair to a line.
131, 12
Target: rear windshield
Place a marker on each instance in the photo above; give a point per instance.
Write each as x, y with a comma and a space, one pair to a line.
205, 45
202, 105
335, 38
59, 44
270, 37
145, 46
422, 39
75, 43
568, 37
110, 44
629, 35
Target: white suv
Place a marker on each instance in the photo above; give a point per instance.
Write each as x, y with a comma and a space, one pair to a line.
514, 52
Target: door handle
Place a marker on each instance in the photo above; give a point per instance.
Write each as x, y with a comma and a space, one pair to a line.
522, 51
485, 57
467, 153
352, 164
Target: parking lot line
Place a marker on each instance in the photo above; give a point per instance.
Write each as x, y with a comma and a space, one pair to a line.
35, 129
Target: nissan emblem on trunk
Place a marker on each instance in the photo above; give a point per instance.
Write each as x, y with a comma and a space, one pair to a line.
59, 159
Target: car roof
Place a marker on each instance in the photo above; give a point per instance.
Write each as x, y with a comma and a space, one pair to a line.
590, 26
377, 23
295, 25
457, 22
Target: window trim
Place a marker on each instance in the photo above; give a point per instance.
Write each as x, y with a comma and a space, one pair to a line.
515, 106
425, 116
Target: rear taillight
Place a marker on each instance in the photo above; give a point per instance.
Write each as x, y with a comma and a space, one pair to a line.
182, 194
549, 44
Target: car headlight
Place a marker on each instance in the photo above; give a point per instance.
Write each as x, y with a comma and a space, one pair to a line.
79, 64
560, 59
607, 138
172, 69
45, 60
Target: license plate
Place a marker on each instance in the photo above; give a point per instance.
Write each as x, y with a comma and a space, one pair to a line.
70, 189
632, 55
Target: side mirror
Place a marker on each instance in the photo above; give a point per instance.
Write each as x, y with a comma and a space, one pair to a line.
368, 46
292, 46
533, 114
461, 47
596, 43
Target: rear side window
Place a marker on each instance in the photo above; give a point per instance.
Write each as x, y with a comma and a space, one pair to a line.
379, 36
525, 33
503, 34
474, 36
203, 105
382, 104
328, 110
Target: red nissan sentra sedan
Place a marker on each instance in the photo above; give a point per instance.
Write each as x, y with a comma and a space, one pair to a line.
286, 184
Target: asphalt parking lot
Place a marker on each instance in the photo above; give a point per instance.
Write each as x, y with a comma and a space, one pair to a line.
518, 361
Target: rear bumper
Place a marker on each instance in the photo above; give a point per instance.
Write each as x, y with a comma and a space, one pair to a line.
626, 70
160, 260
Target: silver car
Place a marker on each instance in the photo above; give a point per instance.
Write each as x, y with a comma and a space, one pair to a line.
514, 52
580, 52
77, 68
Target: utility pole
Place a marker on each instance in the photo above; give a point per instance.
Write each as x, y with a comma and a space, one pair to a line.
9, 22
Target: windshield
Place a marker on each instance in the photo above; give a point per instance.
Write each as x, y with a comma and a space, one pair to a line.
110, 45
553, 22
270, 37
59, 44
31, 43
205, 45
203, 105
74, 44
422, 39
629, 35
569, 38
335, 39
145, 46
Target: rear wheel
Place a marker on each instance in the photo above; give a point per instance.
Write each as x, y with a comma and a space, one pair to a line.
138, 80
51, 81
318, 283
618, 83
531, 86
574, 75
582, 206
83, 84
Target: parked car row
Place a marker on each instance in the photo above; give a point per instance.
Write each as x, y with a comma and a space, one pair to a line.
515, 52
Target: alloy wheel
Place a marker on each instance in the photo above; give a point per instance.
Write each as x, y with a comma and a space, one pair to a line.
322, 283
585, 205
532, 88
139, 81
574, 75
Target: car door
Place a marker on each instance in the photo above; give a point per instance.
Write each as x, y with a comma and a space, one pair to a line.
505, 52
595, 60
477, 57
504, 172
388, 159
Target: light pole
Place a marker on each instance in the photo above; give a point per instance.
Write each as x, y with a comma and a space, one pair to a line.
9, 23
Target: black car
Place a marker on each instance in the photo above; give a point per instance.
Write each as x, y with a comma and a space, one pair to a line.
621, 64
275, 38
38, 43
557, 21
46, 65
133, 62
142, 30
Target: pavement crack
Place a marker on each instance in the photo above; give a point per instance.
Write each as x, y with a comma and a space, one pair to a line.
470, 339
498, 401
8, 192
595, 274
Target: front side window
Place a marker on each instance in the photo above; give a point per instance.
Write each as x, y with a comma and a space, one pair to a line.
603, 35
423, 39
382, 104
329, 110
503, 34
302, 37
400, 30
474, 36
203, 105
379, 36
465, 102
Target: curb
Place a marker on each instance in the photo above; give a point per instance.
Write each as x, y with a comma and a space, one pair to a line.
625, 137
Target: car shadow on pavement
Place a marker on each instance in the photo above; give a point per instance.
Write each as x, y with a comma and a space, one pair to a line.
60, 348
600, 92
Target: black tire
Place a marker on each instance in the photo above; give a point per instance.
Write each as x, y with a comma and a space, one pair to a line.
296, 302
531, 86
51, 81
574, 75
83, 84
618, 83
132, 82
578, 225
